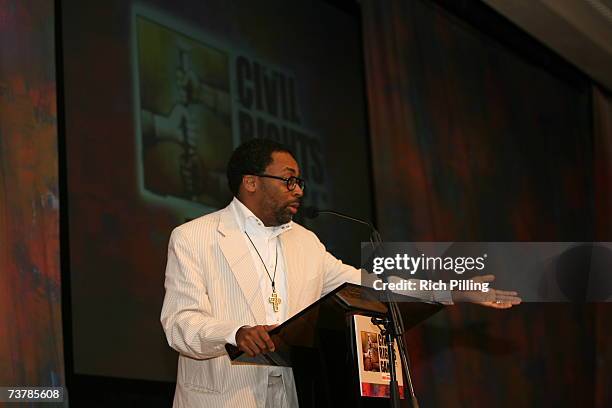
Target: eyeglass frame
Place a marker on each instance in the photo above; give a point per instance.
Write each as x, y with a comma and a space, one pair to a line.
298, 181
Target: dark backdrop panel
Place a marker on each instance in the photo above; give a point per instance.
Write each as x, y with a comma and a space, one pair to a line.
157, 95
602, 127
31, 349
471, 141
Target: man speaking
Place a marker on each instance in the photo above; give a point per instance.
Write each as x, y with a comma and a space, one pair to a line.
234, 274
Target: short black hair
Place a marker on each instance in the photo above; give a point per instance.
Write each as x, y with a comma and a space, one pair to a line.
251, 157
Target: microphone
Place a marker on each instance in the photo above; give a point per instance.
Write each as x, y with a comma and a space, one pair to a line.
313, 212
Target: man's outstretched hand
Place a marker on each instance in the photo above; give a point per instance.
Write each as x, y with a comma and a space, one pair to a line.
495, 298
255, 340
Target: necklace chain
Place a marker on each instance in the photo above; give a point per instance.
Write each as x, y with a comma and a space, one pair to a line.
272, 277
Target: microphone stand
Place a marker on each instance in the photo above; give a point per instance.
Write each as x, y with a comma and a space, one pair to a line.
392, 325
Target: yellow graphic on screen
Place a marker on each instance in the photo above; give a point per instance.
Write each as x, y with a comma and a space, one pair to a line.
185, 117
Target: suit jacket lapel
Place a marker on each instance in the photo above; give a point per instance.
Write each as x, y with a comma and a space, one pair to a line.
294, 263
238, 256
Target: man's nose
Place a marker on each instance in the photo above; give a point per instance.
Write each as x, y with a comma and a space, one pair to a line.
297, 191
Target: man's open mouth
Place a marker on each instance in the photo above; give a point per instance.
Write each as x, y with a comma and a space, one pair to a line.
294, 207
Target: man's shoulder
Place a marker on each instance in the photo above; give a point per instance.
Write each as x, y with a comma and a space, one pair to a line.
200, 225
302, 232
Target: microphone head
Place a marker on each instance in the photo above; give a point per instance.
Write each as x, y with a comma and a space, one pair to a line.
309, 212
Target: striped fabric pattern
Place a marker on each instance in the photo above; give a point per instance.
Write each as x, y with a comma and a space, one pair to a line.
211, 288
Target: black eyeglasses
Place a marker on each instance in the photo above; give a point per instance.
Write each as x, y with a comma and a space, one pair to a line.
291, 181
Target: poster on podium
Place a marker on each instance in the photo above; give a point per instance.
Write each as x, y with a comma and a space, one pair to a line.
373, 360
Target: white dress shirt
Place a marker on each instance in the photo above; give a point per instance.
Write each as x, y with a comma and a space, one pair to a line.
268, 245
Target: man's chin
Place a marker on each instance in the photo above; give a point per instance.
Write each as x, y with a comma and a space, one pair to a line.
284, 217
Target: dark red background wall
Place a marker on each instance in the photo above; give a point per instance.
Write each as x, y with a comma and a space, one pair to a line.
31, 349
472, 140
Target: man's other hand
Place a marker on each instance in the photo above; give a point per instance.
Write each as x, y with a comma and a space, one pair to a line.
495, 298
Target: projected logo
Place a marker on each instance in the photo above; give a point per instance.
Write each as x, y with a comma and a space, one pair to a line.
197, 102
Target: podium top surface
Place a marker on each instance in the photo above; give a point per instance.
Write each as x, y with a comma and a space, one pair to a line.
328, 315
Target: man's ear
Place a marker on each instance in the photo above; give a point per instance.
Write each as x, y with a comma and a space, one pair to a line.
249, 183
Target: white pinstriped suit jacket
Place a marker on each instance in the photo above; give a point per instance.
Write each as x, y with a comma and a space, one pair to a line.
212, 287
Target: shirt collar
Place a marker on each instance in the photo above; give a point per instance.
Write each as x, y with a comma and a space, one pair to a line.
247, 221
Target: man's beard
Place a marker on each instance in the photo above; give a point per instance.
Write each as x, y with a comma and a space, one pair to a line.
280, 213
283, 215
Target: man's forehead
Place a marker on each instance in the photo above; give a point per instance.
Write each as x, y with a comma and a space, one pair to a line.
282, 161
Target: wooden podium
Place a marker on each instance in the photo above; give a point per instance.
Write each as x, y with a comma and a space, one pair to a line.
319, 343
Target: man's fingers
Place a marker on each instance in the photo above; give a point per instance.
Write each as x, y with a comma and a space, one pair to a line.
254, 347
245, 347
255, 340
511, 299
484, 278
503, 305
259, 342
265, 338
504, 301
505, 292
261, 345
247, 344
259, 337
270, 344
